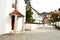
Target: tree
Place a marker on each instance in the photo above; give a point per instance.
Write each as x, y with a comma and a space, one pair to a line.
26, 1
59, 14
29, 13
54, 17
59, 9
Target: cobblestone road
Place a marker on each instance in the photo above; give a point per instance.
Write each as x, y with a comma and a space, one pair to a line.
33, 35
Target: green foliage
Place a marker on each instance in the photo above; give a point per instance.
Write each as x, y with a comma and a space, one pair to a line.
29, 13
26, 1
29, 17
59, 9
54, 17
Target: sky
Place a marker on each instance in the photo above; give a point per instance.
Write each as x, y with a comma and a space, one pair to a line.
45, 5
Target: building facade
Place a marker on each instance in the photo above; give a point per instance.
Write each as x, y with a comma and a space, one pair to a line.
5, 18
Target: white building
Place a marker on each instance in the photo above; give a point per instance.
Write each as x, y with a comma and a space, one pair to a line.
38, 18
5, 18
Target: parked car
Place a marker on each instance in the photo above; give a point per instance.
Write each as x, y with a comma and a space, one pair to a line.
57, 25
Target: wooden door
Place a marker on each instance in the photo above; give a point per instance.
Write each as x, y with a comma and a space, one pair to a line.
13, 22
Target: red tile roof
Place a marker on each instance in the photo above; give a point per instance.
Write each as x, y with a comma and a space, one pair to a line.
17, 13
